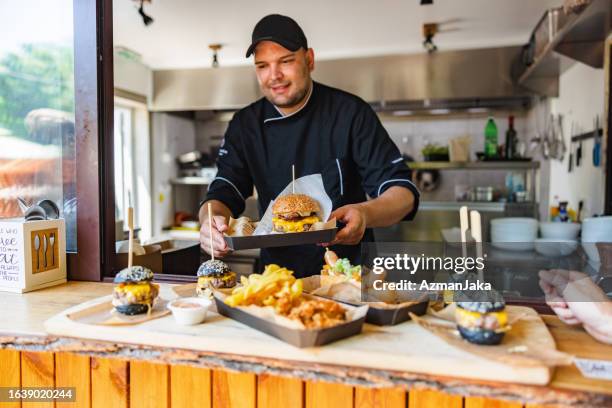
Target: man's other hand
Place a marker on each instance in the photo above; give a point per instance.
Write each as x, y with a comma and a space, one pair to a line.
354, 218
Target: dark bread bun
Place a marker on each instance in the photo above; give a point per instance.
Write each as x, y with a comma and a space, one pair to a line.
134, 274
213, 268
132, 309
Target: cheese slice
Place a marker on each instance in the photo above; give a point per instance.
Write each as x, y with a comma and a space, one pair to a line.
138, 290
469, 319
295, 226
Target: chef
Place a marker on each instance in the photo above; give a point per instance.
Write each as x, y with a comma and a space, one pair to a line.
318, 129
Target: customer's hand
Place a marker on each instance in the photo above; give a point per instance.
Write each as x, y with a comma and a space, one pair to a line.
354, 218
577, 300
219, 226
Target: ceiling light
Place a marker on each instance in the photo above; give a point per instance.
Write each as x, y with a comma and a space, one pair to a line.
402, 113
215, 49
478, 110
429, 30
146, 19
439, 111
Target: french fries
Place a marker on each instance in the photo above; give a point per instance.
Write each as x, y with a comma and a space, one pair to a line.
276, 287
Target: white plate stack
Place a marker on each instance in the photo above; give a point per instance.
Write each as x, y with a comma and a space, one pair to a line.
514, 234
598, 229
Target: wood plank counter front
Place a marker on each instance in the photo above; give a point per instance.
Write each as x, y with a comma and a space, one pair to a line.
107, 374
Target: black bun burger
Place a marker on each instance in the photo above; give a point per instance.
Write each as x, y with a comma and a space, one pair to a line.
482, 322
214, 275
134, 293
294, 213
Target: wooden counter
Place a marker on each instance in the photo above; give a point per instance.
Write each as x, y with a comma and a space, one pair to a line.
122, 375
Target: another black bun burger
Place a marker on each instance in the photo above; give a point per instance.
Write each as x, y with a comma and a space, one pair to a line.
134, 293
214, 275
482, 322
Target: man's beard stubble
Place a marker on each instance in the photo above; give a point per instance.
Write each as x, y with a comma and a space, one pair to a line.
297, 99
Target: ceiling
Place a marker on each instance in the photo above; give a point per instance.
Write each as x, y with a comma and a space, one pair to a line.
182, 30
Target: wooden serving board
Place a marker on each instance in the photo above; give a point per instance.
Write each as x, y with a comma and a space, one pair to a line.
405, 347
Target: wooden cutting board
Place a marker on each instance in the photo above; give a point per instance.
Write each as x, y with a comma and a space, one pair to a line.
405, 347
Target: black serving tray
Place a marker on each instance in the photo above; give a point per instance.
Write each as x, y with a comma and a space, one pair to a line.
295, 337
281, 239
380, 316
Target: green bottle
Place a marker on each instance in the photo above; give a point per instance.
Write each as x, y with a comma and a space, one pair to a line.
490, 145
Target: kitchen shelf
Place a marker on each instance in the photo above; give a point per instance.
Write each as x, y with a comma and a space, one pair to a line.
480, 165
191, 181
580, 36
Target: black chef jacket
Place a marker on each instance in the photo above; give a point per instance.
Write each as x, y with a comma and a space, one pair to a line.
335, 134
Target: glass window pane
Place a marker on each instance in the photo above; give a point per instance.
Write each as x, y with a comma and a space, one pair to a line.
37, 136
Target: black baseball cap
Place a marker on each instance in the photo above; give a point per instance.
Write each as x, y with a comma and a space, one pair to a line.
280, 29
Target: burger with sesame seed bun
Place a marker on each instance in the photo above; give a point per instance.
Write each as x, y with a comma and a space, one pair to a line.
295, 213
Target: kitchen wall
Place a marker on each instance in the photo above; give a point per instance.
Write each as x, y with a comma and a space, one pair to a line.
581, 98
172, 135
412, 133
132, 76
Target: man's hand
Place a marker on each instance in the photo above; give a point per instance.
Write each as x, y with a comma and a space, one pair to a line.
219, 226
355, 219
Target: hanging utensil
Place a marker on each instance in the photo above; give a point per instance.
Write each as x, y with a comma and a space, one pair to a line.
570, 165
562, 138
579, 154
554, 143
597, 144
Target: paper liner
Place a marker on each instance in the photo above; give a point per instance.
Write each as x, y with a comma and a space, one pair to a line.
338, 288
268, 313
379, 313
104, 314
527, 343
311, 185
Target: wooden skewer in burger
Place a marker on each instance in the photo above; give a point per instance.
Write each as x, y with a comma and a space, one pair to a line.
214, 273
135, 292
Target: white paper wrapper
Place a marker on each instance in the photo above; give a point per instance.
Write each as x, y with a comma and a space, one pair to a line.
311, 185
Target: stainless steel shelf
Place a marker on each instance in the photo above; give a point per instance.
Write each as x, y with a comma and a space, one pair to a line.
191, 181
455, 205
484, 165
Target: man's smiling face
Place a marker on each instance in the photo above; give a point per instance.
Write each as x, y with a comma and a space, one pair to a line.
283, 75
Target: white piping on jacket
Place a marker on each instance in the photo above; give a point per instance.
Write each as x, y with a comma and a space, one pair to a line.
228, 182
341, 182
392, 180
292, 113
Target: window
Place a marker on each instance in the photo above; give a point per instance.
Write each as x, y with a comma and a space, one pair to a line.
124, 166
37, 127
